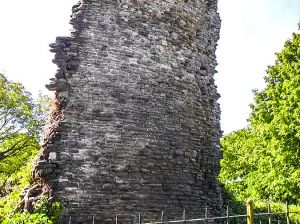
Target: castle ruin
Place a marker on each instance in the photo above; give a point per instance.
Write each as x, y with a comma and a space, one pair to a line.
136, 124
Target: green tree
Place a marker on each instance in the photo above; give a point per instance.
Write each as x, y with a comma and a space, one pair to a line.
21, 121
263, 161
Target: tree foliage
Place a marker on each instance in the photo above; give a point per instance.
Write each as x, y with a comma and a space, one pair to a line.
21, 121
263, 161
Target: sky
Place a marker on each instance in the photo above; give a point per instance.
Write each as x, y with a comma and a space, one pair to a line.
252, 31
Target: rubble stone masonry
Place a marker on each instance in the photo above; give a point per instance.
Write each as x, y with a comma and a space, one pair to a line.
135, 128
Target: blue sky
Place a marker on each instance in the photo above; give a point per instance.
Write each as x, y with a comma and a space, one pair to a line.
252, 31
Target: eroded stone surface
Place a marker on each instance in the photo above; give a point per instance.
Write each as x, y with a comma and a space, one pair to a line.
136, 128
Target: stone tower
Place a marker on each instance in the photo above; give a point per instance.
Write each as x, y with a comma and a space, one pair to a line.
135, 128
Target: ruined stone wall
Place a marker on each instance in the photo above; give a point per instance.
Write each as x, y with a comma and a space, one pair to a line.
136, 125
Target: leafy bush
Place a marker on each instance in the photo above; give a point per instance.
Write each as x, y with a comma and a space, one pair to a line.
11, 190
11, 204
35, 218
